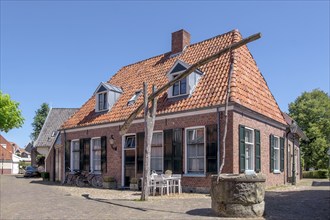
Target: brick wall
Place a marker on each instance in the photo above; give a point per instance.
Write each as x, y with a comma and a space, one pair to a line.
114, 158
265, 131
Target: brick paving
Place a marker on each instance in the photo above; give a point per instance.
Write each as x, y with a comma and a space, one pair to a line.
35, 199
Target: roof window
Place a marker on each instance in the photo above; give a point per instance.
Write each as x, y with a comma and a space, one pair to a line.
134, 98
106, 95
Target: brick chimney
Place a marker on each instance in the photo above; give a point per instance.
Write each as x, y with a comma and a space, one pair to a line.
180, 39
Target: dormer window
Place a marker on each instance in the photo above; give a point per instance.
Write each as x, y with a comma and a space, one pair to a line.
185, 86
106, 95
180, 88
102, 101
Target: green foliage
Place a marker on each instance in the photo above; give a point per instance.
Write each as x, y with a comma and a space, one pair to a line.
318, 174
311, 110
10, 115
39, 120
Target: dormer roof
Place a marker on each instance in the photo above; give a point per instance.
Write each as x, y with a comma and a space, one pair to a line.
107, 87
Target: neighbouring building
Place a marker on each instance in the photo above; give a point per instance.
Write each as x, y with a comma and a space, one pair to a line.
49, 142
189, 123
9, 161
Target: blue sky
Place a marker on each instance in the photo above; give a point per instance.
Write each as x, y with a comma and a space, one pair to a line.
59, 51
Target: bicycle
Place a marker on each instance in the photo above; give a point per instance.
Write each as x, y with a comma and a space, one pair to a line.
70, 178
89, 179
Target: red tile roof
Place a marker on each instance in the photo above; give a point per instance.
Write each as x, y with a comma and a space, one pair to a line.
248, 87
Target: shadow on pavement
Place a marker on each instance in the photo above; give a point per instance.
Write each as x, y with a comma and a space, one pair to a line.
307, 204
316, 183
206, 212
107, 201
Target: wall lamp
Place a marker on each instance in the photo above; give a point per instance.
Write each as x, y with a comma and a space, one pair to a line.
112, 143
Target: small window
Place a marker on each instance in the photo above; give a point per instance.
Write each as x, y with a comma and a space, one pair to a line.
134, 98
130, 141
276, 154
180, 88
54, 133
249, 149
102, 101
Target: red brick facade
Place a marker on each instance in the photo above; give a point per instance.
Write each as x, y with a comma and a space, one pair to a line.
200, 183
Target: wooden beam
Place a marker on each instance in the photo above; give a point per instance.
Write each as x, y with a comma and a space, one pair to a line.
188, 71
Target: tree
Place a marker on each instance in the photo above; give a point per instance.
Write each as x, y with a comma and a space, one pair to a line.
39, 120
311, 111
10, 115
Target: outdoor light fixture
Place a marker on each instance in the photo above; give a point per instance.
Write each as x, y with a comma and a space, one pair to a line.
112, 143
293, 130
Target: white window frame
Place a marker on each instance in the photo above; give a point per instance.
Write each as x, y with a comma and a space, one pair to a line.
174, 75
278, 153
162, 156
252, 144
71, 155
105, 101
186, 152
92, 155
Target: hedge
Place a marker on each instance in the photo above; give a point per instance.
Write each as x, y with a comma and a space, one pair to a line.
318, 174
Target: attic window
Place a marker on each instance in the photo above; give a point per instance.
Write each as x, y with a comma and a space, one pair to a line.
134, 98
186, 85
106, 95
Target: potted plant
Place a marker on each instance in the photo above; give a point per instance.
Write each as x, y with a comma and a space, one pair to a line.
134, 184
109, 182
45, 176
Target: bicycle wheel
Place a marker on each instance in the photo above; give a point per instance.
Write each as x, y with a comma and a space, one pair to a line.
97, 181
80, 181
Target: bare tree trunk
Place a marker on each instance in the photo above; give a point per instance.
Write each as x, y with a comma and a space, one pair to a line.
149, 121
226, 121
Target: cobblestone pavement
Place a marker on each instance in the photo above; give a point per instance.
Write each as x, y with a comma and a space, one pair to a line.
35, 199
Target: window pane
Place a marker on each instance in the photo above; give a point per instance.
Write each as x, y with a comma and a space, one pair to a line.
176, 88
276, 159
200, 150
248, 135
157, 139
96, 144
130, 142
191, 150
249, 157
75, 160
183, 86
276, 145
156, 164
156, 151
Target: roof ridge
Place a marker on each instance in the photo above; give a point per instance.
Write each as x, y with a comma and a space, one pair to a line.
169, 52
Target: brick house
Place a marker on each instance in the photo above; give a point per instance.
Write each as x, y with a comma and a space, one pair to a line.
190, 118
9, 161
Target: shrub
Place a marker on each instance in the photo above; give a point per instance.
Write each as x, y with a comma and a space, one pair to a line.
109, 179
318, 174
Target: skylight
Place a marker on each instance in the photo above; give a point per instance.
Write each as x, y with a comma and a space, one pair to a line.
134, 98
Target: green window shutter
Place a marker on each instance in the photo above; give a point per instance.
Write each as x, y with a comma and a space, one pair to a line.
177, 150
104, 154
282, 154
211, 148
81, 154
140, 150
67, 156
257, 151
271, 152
168, 150
241, 149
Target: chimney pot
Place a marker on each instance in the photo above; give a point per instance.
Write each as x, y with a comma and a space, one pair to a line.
180, 39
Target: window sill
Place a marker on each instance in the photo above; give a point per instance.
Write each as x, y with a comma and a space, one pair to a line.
193, 175
277, 172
